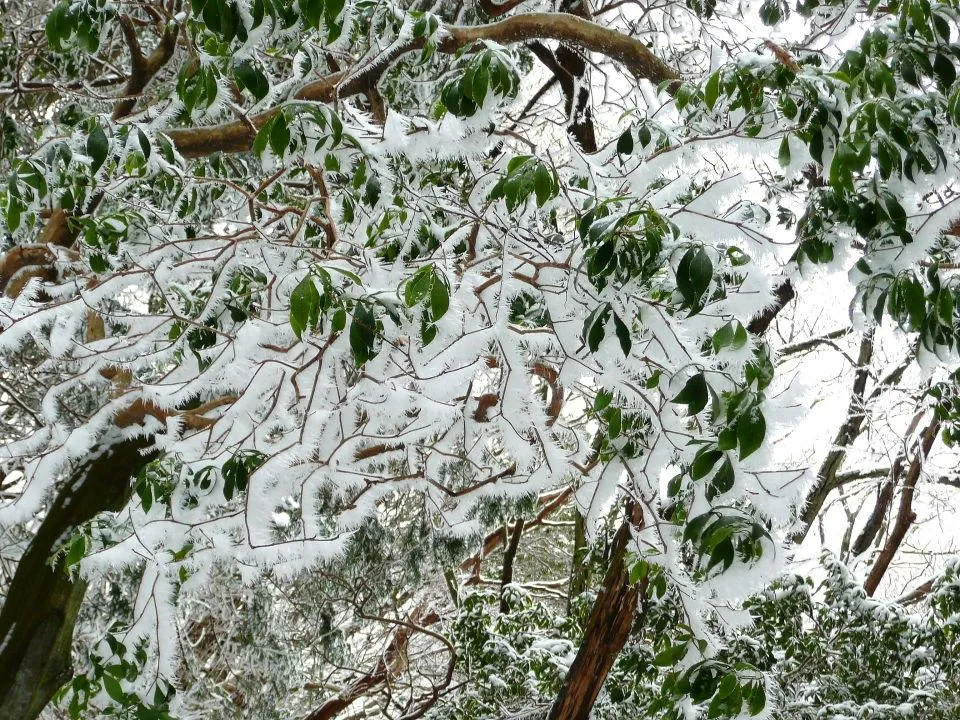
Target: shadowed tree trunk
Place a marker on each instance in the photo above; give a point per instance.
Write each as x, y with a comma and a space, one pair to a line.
42, 602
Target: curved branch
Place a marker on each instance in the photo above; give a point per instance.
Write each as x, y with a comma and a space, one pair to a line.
142, 67
237, 136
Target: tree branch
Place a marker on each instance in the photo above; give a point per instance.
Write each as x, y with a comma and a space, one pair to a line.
42, 602
142, 67
509, 555
884, 497
237, 136
826, 481
905, 514
606, 632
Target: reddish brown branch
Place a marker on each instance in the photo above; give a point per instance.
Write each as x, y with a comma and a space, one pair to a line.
142, 67
606, 632
509, 555
905, 514
390, 662
630, 52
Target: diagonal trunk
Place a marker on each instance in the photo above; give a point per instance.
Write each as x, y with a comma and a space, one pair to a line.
42, 602
607, 631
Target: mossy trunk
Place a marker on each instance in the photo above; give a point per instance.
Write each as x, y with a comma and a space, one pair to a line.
42, 602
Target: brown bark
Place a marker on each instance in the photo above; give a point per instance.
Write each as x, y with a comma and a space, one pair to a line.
142, 67
509, 555
782, 297
826, 481
905, 514
390, 663
884, 497
607, 631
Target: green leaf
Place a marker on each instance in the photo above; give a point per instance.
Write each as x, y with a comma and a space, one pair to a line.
251, 78
97, 147
758, 699
671, 656
614, 417
602, 400
914, 300
694, 273
312, 11
543, 184
439, 299
704, 461
944, 71
419, 286
76, 551
712, 90
694, 394
724, 478
625, 143
304, 306
722, 338
279, 136
751, 429
623, 334
263, 136
58, 27
784, 155
363, 334
593, 327
112, 686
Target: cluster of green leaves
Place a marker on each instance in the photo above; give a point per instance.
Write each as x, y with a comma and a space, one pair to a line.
946, 407
930, 310
77, 23
429, 288
507, 656
893, 131
490, 70
722, 534
104, 235
740, 426
108, 674
310, 306
425, 28
694, 274
595, 328
526, 175
832, 651
517, 659
623, 247
648, 133
327, 12
234, 474
155, 484
276, 132
26, 185
623, 430
226, 22
725, 690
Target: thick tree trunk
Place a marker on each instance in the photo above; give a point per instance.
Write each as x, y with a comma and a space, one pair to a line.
605, 635
42, 602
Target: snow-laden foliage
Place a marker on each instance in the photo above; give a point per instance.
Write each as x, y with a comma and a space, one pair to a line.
825, 651
284, 281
